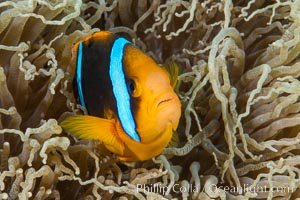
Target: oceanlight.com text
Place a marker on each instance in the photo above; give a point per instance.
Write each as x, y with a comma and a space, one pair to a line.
246, 188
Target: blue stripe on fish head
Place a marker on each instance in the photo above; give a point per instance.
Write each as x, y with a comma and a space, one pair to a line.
78, 74
120, 88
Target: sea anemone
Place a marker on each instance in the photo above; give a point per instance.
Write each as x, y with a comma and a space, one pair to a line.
239, 88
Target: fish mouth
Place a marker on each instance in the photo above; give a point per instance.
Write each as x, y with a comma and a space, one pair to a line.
168, 111
166, 99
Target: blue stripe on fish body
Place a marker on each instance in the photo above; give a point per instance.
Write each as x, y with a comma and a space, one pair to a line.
78, 74
120, 88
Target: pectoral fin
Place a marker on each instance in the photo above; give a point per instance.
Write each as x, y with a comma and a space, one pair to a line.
94, 128
174, 70
174, 140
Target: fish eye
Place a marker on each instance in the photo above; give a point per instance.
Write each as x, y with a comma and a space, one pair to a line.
131, 86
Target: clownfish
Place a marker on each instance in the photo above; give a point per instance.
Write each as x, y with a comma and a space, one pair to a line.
131, 105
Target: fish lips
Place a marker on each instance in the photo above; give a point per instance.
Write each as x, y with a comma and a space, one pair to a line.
166, 100
168, 110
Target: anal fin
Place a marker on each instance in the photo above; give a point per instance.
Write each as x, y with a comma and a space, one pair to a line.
95, 128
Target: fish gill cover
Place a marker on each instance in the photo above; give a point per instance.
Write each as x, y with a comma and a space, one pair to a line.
239, 136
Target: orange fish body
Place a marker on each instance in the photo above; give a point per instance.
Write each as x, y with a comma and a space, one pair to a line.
131, 104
